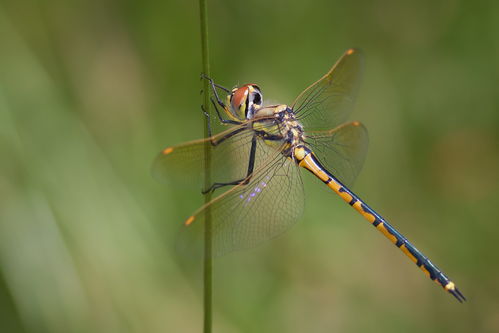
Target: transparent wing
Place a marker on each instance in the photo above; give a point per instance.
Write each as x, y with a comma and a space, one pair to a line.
247, 215
328, 102
229, 159
341, 150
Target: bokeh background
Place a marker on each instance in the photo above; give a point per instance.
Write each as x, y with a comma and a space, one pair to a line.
90, 91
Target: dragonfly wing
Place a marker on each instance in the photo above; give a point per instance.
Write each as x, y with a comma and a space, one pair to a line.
328, 102
341, 150
229, 158
247, 215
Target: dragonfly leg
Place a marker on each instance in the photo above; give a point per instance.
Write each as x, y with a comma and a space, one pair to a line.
210, 133
222, 120
242, 181
213, 84
214, 87
219, 101
208, 122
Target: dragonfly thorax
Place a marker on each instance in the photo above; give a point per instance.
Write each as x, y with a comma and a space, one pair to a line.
286, 129
291, 129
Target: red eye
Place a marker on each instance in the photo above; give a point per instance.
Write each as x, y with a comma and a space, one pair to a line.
239, 97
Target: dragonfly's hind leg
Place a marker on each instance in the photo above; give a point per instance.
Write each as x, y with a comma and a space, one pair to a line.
208, 121
242, 181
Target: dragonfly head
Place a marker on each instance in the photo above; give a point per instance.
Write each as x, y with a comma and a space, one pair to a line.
245, 100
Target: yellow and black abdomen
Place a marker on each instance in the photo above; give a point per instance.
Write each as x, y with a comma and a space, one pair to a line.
306, 159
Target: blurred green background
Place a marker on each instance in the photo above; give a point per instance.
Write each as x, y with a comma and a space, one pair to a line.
90, 91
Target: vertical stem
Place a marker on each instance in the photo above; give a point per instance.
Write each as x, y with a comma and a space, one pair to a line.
208, 258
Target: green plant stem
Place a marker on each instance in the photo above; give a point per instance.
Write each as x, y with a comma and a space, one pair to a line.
208, 257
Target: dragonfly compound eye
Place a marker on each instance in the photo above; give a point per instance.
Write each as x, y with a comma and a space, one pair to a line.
239, 102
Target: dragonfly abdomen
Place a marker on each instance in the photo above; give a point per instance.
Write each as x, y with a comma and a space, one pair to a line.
306, 159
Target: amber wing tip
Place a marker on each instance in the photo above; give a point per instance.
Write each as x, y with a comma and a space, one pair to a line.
167, 151
189, 220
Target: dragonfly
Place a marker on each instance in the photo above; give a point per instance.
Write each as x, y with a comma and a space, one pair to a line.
257, 188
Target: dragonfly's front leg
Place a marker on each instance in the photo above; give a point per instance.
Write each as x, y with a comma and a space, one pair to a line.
249, 173
219, 101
